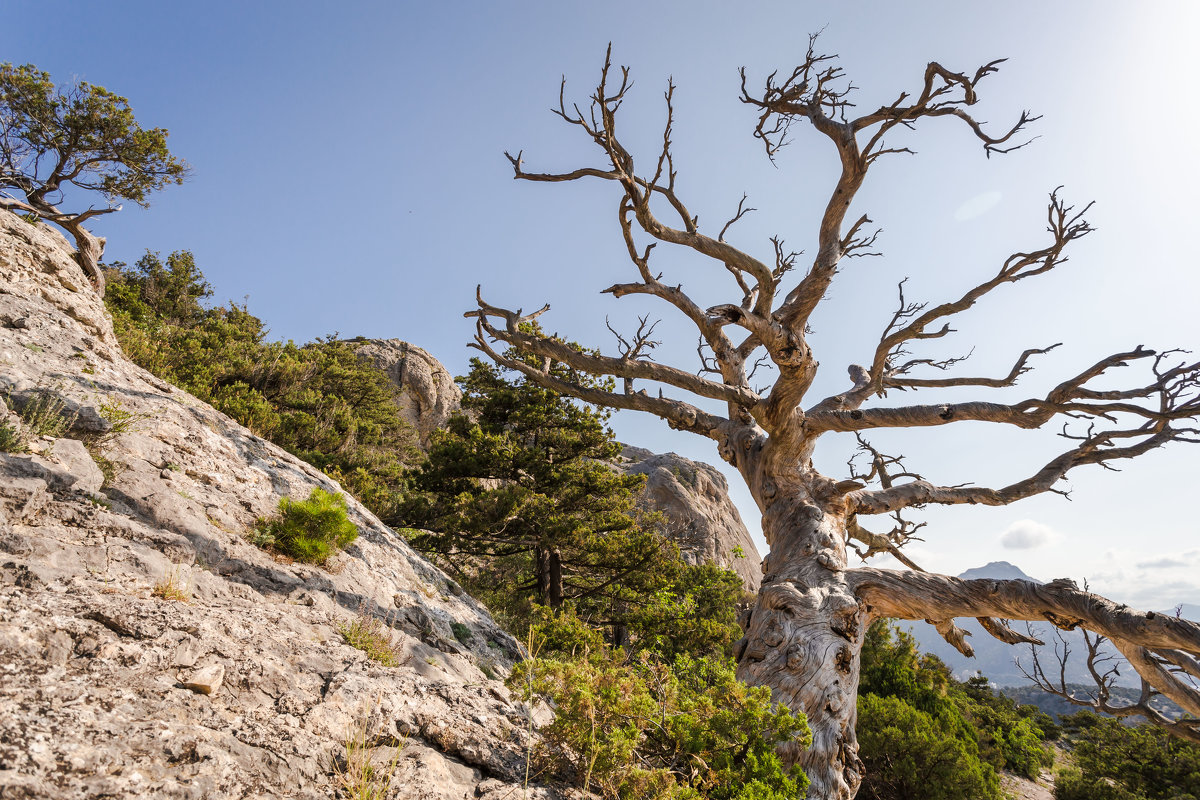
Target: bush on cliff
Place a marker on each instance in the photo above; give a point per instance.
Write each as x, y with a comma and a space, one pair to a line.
309, 530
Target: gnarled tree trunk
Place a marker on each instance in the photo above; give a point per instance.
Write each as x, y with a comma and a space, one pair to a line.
803, 639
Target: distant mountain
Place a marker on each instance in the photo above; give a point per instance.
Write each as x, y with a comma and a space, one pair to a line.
1001, 570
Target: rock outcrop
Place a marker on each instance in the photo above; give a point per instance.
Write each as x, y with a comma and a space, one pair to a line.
695, 499
425, 389
148, 649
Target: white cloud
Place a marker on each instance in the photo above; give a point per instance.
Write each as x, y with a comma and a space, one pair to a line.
1155, 582
1026, 534
1166, 562
977, 206
1171, 560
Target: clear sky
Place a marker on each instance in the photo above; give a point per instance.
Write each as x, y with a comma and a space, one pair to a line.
349, 176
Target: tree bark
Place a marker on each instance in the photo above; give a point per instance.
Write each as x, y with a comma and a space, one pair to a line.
549, 575
804, 636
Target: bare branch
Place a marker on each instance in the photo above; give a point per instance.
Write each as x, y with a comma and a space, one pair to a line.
912, 322
913, 595
624, 367
1103, 673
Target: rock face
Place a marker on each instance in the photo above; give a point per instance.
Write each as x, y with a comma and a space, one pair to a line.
695, 499
148, 649
426, 392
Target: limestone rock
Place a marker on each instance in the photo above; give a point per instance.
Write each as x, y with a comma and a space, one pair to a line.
91, 701
206, 680
426, 392
702, 519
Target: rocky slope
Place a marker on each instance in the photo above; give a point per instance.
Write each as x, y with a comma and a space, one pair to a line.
246, 689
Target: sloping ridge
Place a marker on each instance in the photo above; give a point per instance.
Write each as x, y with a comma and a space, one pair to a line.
94, 668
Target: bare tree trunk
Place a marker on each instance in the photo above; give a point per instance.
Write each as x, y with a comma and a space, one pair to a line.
89, 249
804, 636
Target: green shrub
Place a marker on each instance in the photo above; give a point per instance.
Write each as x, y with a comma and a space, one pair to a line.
909, 755
640, 726
461, 632
319, 401
1123, 762
45, 414
915, 720
309, 530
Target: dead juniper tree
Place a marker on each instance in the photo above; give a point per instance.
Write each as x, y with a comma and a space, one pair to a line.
803, 636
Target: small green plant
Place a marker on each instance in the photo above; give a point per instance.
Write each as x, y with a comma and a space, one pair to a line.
488, 671
370, 635
309, 530
172, 587
11, 440
43, 414
461, 632
37, 348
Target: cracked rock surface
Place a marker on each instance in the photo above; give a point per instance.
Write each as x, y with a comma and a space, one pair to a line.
243, 685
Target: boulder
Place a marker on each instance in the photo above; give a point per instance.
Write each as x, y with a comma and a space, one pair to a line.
702, 519
425, 390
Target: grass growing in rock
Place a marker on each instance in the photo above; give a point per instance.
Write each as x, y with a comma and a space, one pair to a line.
370, 635
309, 530
172, 588
43, 414
357, 778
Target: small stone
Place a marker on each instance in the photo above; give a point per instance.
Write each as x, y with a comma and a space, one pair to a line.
206, 680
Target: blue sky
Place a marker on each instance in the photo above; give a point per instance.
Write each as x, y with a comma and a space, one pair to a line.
348, 176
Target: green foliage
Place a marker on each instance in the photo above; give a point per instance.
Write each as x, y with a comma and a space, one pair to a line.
1120, 762
646, 727
309, 530
11, 439
318, 401
519, 483
915, 719
82, 135
909, 755
461, 632
693, 610
45, 414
